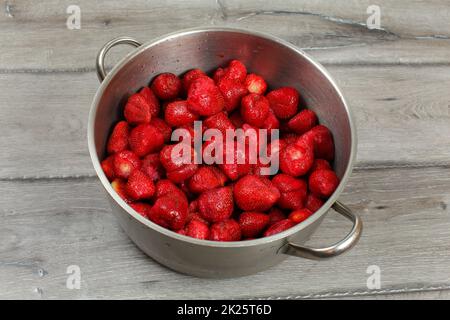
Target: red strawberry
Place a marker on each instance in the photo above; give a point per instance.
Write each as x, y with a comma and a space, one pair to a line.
270, 123
191, 76
275, 215
108, 167
125, 162
166, 86
304, 121
253, 193
137, 110
296, 160
197, 229
235, 71
323, 142
253, 223
145, 139
118, 141
204, 98
300, 215
313, 203
193, 206
240, 165
162, 126
151, 99
182, 231
255, 84
140, 186
177, 114
227, 230
195, 215
206, 178
290, 138
320, 164
255, 109
284, 102
152, 167
232, 92
293, 191
120, 187
323, 182
170, 211
166, 187
216, 204
142, 208
220, 122
278, 227
179, 166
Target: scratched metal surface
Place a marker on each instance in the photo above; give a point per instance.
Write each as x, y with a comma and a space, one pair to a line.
53, 211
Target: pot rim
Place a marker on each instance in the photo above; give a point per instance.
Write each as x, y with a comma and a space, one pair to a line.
209, 243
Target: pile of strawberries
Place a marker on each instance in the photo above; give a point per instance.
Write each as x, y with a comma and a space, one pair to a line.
224, 202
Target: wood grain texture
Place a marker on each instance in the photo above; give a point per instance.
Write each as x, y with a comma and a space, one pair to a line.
414, 33
406, 233
402, 115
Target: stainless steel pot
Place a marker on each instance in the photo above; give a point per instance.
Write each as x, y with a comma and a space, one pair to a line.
280, 63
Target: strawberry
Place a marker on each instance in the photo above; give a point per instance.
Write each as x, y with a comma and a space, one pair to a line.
170, 211
118, 141
303, 121
253, 193
239, 166
227, 230
300, 215
216, 204
278, 227
145, 139
296, 160
253, 223
120, 187
323, 142
152, 167
235, 71
284, 102
152, 101
137, 110
142, 208
206, 178
177, 114
166, 86
219, 121
275, 215
270, 123
204, 98
140, 186
162, 126
108, 167
197, 229
190, 76
166, 187
255, 109
193, 206
179, 166
255, 84
124, 163
293, 191
232, 92
320, 164
323, 183
313, 203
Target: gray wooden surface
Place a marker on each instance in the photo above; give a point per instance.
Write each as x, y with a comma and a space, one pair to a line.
54, 214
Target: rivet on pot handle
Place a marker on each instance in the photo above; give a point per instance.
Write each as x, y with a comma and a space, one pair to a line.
334, 250
101, 73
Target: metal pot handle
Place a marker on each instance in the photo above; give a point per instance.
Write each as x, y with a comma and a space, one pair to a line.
101, 73
334, 250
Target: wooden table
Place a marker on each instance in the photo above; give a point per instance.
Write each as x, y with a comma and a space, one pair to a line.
54, 213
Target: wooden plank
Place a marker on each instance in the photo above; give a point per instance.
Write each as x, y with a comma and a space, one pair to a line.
402, 116
406, 233
334, 31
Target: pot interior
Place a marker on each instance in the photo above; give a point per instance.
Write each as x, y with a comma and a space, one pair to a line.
278, 63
